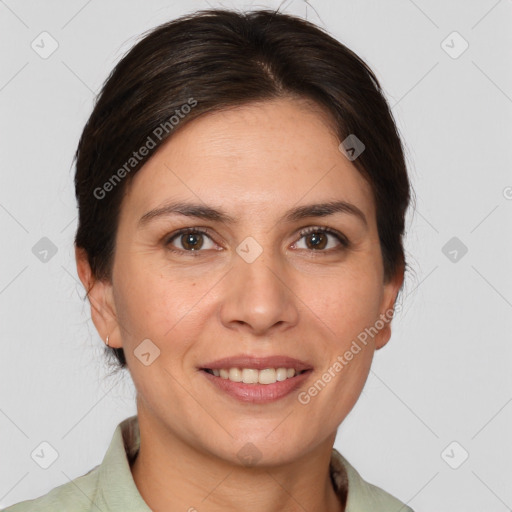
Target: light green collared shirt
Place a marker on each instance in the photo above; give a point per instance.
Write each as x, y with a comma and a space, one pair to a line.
110, 485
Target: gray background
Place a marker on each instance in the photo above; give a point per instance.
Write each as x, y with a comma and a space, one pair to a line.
445, 375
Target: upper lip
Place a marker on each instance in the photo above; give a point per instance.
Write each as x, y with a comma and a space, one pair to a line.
257, 363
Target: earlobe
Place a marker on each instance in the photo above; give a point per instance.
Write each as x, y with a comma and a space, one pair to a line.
391, 290
83, 268
100, 295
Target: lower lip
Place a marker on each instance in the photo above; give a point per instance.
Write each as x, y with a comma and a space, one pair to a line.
258, 393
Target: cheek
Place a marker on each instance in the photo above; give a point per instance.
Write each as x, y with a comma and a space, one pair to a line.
151, 304
347, 303
352, 310
142, 289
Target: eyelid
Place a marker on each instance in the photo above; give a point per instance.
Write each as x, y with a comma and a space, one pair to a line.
344, 241
194, 230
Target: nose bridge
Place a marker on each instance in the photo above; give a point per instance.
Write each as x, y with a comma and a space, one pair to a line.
258, 295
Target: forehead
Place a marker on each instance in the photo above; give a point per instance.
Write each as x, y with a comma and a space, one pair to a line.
265, 156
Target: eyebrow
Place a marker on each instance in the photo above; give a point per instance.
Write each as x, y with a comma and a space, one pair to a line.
205, 212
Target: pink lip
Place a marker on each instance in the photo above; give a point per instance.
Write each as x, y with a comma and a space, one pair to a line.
258, 393
258, 363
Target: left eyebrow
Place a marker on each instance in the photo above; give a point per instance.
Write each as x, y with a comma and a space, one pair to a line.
324, 210
209, 213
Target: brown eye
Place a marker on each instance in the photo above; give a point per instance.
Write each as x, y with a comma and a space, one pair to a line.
190, 239
317, 239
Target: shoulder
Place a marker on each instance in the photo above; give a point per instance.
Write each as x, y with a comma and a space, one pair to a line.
363, 496
78, 495
108, 486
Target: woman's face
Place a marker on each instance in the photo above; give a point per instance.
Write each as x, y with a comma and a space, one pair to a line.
253, 286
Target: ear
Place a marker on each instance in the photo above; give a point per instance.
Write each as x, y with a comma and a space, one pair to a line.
391, 289
101, 299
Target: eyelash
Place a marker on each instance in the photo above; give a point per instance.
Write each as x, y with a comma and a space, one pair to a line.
344, 242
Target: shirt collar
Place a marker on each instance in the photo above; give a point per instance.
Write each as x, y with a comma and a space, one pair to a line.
115, 472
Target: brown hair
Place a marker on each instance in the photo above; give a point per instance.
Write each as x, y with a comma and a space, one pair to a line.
212, 60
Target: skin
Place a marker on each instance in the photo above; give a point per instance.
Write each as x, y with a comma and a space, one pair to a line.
255, 162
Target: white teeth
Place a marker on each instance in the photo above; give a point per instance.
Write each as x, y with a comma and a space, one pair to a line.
249, 376
267, 376
253, 376
235, 375
281, 374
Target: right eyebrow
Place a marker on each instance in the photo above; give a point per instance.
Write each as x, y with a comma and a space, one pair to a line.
189, 210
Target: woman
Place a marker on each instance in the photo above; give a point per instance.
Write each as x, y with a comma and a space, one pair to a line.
242, 192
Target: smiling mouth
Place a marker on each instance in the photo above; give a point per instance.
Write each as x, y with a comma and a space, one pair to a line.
254, 376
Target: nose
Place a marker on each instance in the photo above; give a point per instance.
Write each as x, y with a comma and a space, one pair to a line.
259, 297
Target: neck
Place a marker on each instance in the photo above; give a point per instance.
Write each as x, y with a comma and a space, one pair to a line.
171, 475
